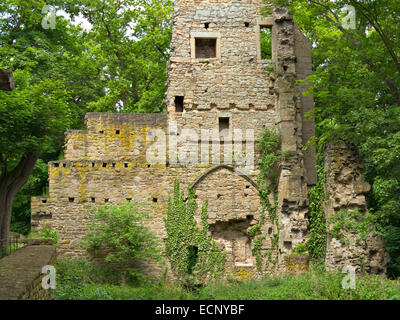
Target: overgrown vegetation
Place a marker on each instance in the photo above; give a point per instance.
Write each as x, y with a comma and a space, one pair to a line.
194, 256
271, 156
116, 65
118, 233
80, 280
356, 89
45, 233
316, 243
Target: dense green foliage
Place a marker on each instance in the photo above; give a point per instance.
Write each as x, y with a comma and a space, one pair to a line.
194, 256
356, 88
77, 279
265, 43
118, 233
117, 65
80, 280
129, 47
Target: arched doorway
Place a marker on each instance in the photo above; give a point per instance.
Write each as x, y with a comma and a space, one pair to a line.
233, 207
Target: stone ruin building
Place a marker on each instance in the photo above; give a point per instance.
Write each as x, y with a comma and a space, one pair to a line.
217, 79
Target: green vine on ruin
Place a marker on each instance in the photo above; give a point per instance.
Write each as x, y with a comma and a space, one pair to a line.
270, 159
316, 243
194, 256
345, 222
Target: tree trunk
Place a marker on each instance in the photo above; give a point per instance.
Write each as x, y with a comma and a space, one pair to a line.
6, 80
10, 183
123, 276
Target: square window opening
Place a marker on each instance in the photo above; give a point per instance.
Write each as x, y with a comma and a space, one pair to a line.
206, 48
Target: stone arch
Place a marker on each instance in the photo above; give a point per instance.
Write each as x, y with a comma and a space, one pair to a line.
233, 207
222, 166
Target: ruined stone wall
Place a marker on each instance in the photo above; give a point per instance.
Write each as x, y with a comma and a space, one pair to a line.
109, 162
233, 80
345, 189
292, 191
76, 186
112, 136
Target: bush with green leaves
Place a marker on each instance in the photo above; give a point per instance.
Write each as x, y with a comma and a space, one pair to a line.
119, 233
78, 279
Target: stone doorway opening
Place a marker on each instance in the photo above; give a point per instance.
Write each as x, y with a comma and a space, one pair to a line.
233, 236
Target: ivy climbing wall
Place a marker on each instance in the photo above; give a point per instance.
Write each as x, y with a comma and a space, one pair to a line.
217, 80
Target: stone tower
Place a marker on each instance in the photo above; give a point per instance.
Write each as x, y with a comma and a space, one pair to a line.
219, 82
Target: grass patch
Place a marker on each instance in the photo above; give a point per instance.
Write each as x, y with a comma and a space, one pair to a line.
79, 280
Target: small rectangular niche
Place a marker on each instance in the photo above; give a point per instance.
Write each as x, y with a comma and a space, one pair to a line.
206, 48
92, 199
223, 123
71, 199
266, 42
179, 103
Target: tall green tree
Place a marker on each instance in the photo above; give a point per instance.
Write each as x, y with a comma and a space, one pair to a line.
118, 65
356, 87
130, 40
34, 115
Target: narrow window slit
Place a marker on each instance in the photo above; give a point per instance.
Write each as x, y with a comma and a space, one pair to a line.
265, 42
